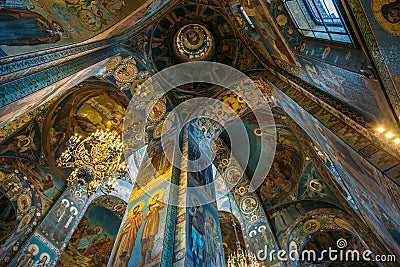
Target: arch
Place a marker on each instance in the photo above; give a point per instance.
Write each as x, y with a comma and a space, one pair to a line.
228, 233
91, 105
337, 223
92, 241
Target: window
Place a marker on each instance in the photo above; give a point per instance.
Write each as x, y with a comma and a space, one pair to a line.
319, 19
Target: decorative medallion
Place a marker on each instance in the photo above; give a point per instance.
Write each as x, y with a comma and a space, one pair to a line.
24, 203
311, 226
155, 111
193, 42
248, 204
230, 103
387, 13
125, 73
233, 175
144, 92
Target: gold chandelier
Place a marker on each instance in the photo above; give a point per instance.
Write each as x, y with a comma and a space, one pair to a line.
240, 258
97, 161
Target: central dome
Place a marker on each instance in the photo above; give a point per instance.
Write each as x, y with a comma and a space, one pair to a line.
193, 42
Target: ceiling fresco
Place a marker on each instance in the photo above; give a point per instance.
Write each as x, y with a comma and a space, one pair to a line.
160, 43
89, 106
58, 23
288, 164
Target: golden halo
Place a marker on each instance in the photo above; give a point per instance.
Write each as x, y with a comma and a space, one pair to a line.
65, 201
225, 161
98, 228
257, 132
326, 52
230, 103
74, 210
35, 248
311, 226
160, 194
343, 224
240, 99
43, 255
140, 204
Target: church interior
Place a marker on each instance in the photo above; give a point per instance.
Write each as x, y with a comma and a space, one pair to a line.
199, 133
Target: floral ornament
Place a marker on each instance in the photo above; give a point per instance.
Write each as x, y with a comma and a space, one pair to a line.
282, 20
143, 92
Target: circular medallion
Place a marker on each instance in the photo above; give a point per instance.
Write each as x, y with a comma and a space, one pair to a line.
311, 226
233, 175
248, 204
387, 13
155, 111
125, 73
193, 42
229, 104
24, 203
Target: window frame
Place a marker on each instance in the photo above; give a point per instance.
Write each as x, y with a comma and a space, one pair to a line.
343, 17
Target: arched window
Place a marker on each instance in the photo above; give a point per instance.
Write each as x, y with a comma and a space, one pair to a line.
319, 19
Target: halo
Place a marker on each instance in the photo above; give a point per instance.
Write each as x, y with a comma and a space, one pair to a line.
311, 226
35, 247
98, 227
343, 224
160, 193
47, 255
65, 200
293, 245
140, 204
75, 210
